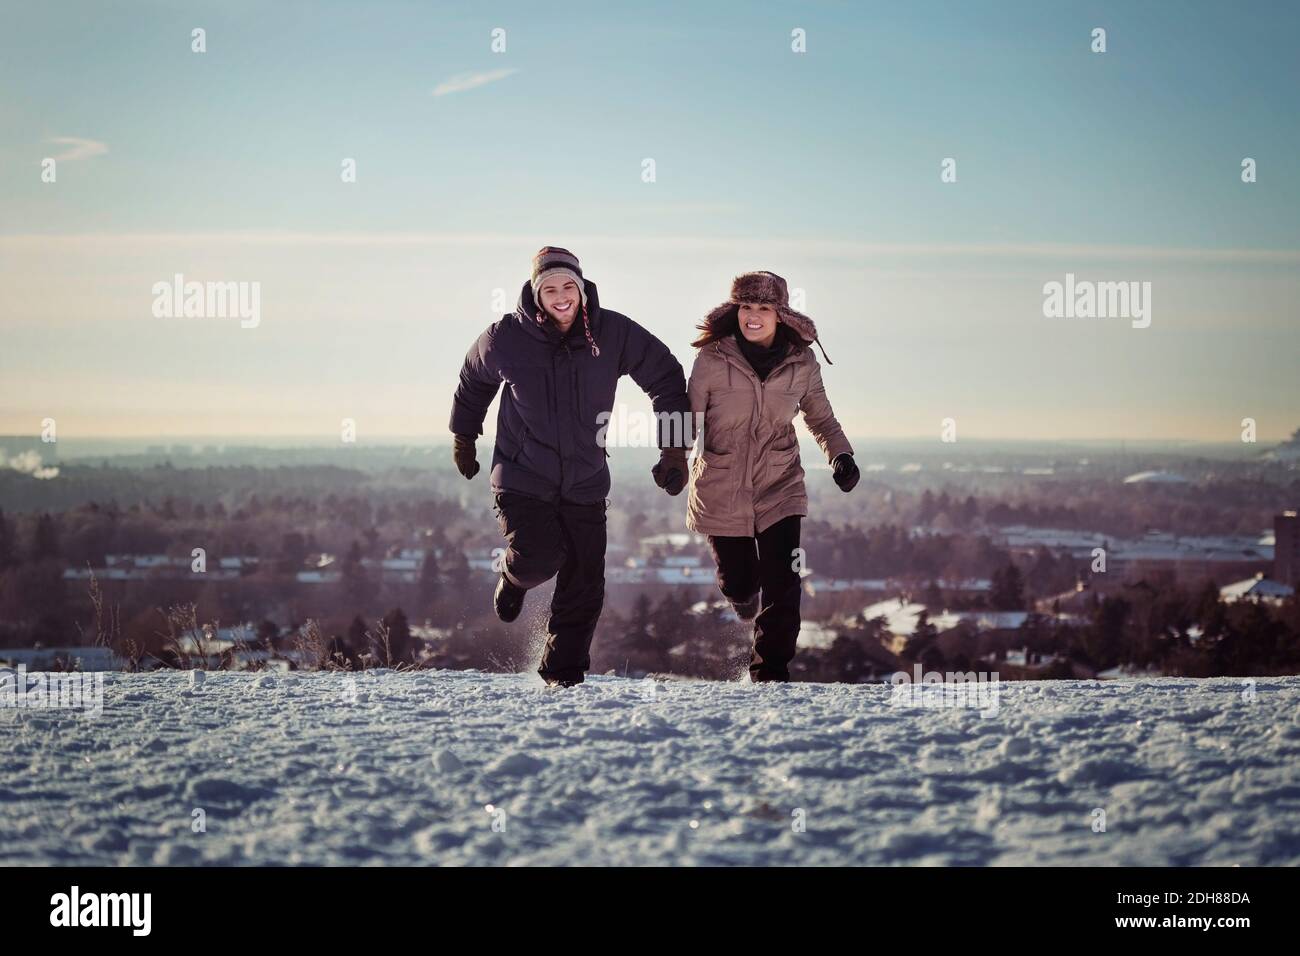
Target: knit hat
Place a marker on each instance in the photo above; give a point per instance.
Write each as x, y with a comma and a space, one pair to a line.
767, 288
553, 261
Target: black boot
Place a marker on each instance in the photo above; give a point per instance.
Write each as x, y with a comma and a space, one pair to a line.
508, 599
571, 681
747, 610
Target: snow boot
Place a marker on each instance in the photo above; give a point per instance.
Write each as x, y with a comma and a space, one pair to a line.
747, 610
508, 600
562, 681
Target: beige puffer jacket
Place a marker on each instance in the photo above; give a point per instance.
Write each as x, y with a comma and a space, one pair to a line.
746, 475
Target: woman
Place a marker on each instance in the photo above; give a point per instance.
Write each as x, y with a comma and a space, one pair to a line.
754, 371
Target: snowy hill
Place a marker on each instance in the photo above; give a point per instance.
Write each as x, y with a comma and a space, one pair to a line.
383, 767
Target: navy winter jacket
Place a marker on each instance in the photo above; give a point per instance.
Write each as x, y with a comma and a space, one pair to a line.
549, 421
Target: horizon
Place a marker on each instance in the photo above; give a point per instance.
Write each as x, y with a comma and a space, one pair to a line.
321, 440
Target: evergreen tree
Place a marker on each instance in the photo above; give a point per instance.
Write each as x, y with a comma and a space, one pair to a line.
430, 583
8, 553
46, 543
1008, 591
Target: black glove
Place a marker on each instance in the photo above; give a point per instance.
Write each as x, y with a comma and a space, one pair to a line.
846, 472
462, 453
670, 471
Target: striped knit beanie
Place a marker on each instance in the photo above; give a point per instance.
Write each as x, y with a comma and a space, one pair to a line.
551, 261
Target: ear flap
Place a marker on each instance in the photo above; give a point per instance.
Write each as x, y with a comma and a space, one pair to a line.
715, 318
801, 324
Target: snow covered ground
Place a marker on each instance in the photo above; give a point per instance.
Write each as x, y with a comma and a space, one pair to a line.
446, 767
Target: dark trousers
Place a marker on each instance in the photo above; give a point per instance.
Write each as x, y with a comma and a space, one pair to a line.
550, 538
765, 563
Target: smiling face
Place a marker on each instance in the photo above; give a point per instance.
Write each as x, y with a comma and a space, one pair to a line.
561, 298
758, 322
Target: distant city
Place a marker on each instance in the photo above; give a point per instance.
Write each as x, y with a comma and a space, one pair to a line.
1040, 559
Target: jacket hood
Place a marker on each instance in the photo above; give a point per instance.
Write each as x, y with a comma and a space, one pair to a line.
526, 311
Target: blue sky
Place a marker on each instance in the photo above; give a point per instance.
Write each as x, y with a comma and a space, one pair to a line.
823, 166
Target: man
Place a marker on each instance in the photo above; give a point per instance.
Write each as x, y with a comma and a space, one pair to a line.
560, 356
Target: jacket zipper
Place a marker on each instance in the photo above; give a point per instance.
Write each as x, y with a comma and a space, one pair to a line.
555, 417
753, 378
762, 385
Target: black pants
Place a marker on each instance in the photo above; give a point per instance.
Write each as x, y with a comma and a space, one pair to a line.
549, 538
765, 563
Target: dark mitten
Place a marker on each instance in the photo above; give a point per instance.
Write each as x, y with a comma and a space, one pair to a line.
670, 471
462, 452
846, 472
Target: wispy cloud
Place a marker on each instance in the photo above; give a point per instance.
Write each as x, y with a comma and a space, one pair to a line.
468, 81
841, 248
78, 148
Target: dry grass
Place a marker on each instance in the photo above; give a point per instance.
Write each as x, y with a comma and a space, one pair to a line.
108, 628
193, 645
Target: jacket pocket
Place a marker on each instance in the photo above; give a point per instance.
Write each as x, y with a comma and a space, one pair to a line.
520, 450
777, 466
716, 459
711, 477
782, 405
783, 456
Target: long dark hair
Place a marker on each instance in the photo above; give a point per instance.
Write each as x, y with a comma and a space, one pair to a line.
723, 325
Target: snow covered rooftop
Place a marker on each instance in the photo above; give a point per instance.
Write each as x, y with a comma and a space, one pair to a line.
1252, 588
901, 618
1156, 477
1152, 546
671, 539
984, 620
